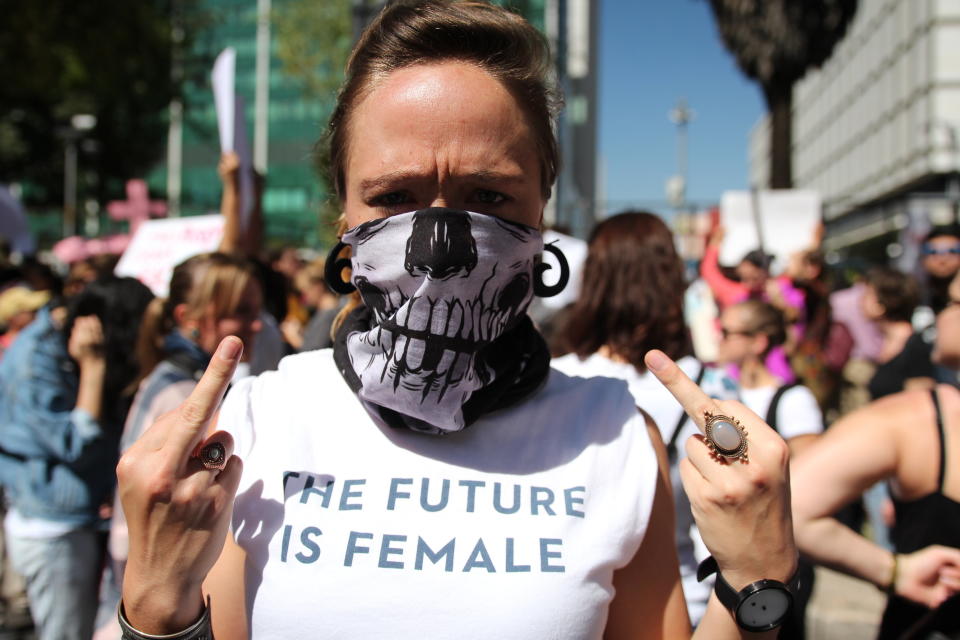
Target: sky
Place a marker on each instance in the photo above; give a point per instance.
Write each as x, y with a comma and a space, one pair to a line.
652, 53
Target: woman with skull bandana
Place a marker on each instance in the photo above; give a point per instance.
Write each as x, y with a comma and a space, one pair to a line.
431, 476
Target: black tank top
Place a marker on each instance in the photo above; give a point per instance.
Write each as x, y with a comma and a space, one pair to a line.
932, 519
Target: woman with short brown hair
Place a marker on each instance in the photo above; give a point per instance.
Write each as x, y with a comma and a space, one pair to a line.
430, 476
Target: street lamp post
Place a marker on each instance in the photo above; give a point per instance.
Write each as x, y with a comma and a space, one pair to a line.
680, 115
79, 124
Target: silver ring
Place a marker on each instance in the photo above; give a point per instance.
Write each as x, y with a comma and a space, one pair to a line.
726, 437
213, 456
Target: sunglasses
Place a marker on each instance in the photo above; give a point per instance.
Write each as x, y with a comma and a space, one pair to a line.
726, 333
941, 251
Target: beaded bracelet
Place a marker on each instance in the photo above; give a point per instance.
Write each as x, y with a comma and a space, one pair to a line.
199, 630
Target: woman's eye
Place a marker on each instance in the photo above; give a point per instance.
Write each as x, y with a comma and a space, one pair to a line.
486, 196
391, 199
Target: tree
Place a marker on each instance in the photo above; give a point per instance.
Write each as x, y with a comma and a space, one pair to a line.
314, 39
111, 59
775, 43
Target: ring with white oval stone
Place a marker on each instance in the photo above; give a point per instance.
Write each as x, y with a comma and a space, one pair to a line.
726, 436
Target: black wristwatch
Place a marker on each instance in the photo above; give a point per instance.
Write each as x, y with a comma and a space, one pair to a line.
760, 606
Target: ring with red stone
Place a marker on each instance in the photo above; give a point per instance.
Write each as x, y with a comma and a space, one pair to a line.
726, 436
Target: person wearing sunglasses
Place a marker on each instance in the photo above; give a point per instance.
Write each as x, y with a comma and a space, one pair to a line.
940, 261
749, 330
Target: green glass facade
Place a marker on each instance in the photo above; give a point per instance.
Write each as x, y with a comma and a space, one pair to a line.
294, 194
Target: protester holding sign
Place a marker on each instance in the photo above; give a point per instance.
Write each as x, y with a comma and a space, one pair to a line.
430, 476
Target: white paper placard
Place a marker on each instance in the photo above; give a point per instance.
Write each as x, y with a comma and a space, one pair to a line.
788, 220
224, 71
160, 245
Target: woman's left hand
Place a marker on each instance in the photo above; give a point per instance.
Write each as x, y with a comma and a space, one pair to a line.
929, 576
742, 507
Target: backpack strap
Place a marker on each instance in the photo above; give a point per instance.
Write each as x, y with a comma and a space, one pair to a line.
672, 444
943, 441
775, 404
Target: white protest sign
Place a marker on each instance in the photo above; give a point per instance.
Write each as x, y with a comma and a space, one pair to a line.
788, 221
224, 71
160, 245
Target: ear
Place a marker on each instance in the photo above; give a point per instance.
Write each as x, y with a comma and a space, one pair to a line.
759, 344
180, 316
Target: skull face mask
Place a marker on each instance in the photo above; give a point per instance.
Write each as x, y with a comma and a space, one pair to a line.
441, 288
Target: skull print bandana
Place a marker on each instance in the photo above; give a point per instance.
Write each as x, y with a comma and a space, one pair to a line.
443, 335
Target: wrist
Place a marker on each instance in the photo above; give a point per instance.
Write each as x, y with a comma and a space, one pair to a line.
161, 609
782, 571
892, 571
92, 361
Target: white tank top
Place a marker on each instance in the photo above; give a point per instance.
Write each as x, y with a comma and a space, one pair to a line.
511, 528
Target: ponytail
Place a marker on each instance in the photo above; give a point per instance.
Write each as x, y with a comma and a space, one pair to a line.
149, 347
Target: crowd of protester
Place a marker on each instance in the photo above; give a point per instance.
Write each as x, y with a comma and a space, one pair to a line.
860, 382
90, 360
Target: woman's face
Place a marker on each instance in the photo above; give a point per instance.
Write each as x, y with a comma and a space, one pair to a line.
244, 322
751, 276
870, 305
946, 350
737, 342
441, 135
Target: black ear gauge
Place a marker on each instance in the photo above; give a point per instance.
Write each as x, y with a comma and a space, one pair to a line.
542, 290
333, 271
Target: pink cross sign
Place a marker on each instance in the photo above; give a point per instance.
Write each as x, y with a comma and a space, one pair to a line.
138, 207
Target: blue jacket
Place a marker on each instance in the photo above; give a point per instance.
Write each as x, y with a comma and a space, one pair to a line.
56, 462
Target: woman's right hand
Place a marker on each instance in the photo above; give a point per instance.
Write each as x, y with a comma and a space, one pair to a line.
928, 576
177, 510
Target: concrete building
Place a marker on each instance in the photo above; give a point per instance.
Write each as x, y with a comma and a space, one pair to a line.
877, 129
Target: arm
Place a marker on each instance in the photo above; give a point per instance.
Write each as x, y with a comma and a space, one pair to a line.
726, 291
86, 347
649, 603
229, 169
60, 432
178, 511
856, 452
741, 509
649, 598
225, 585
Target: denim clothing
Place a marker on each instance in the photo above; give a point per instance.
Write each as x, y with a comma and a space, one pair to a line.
56, 462
62, 575
184, 361
169, 384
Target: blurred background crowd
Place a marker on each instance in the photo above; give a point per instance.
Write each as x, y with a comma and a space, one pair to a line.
99, 335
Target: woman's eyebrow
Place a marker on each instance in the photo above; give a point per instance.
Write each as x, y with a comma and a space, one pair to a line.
389, 180
393, 178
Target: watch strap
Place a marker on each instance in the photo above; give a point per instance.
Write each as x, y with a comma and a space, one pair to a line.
730, 597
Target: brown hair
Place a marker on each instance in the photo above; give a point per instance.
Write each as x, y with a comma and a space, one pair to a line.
409, 33
207, 283
896, 292
764, 319
631, 298
417, 32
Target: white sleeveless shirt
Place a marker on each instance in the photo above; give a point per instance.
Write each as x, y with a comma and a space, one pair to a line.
511, 528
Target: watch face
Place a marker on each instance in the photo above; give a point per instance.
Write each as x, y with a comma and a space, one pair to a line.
763, 609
